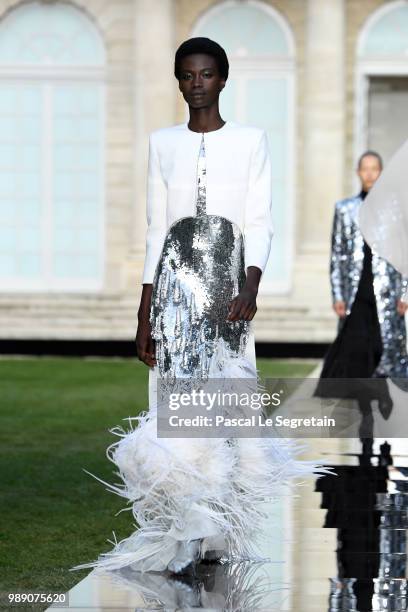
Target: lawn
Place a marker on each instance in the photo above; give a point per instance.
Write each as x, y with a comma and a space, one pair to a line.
55, 415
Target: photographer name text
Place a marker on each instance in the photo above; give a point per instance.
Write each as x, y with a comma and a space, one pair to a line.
255, 420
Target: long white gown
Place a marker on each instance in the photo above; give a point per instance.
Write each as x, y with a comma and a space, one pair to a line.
195, 496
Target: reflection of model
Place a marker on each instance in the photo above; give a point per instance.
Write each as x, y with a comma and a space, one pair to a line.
208, 240
366, 507
366, 293
227, 586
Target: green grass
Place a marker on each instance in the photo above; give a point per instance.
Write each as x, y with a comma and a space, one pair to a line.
54, 416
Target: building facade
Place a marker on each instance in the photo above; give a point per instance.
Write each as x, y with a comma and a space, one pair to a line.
83, 83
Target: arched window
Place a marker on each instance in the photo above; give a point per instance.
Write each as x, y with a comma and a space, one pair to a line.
260, 92
385, 35
382, 80
51, 149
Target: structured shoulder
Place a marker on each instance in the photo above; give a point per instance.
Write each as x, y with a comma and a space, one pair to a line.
250, 131
166, 140
174, 130
347, 204
166, 133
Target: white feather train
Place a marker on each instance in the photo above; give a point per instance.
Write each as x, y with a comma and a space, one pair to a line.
207, 489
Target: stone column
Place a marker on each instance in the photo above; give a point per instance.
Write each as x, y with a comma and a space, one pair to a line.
324, 116
155, 91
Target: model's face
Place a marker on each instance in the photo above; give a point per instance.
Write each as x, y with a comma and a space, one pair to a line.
369, 171
200, 82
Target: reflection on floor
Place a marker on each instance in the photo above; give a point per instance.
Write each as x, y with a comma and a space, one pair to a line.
367, 505
338, 543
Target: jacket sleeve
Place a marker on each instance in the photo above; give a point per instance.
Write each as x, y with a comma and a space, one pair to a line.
156, 204
337, 257
402, 286
404, 289
258, 227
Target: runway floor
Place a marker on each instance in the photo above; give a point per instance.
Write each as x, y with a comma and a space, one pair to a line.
335, 544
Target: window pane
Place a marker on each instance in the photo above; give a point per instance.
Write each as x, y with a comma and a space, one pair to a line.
77, 180
20, 179
388, 36
51, 214
43, 33
268, 106
246, 30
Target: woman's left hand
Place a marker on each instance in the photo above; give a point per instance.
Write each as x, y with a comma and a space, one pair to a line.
402, 307
243, 306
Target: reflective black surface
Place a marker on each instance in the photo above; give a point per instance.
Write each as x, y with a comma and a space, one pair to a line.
338, 543
369, 512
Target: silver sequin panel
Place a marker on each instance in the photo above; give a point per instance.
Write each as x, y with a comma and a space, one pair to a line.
200, 270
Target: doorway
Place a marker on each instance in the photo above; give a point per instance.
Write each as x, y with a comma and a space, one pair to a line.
387, 127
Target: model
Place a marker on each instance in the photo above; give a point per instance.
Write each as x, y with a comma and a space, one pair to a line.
208, 241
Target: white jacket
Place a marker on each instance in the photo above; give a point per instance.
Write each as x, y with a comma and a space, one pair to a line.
238, 186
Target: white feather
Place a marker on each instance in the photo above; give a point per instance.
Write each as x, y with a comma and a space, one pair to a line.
184, 489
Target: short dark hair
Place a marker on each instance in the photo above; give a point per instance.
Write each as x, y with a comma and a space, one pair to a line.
200, 44
370, 153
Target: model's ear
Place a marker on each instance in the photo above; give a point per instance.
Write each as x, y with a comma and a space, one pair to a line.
222, 84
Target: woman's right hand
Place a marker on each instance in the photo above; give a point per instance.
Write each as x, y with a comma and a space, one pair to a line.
340, 309
145, 345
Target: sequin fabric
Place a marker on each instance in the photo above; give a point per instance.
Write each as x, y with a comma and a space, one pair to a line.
200, 270
346, 266
201, 180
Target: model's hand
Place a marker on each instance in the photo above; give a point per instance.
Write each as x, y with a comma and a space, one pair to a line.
145, 345
402, 307
340, 309
243, 306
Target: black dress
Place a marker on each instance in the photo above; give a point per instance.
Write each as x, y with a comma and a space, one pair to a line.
356, 351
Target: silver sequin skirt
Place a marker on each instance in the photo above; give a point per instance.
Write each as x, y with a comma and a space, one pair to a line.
200, 270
